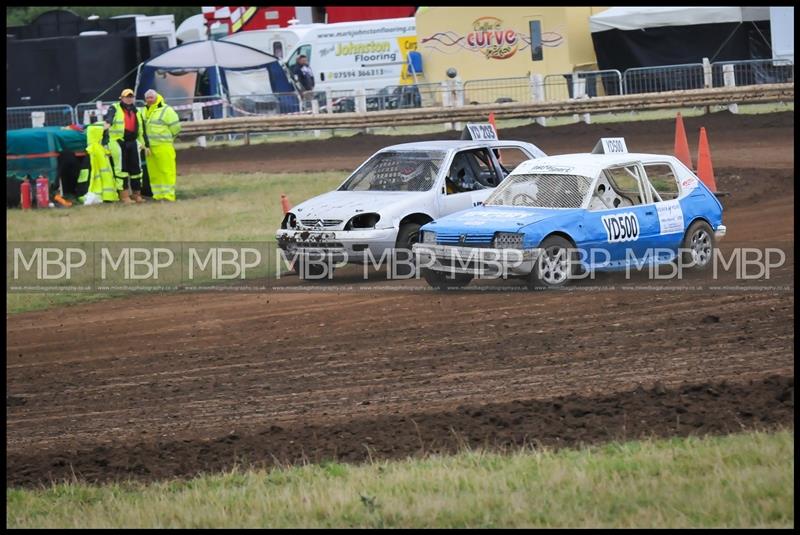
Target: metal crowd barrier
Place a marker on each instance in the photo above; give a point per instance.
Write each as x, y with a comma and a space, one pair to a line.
753, 72
88, 112
498, 90
450, 93
266, 104
664, 78
581, 84
36, 116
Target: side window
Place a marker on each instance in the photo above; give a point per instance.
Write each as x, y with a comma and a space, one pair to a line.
277, 49
486, 175
663, 180
536, 40
510, 158
625, 184
470, 171
303, 50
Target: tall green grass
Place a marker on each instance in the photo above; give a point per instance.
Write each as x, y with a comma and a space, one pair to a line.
742, 480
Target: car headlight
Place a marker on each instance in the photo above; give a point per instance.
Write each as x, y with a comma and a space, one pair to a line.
363, 221
428, 236
289, 221
507, 240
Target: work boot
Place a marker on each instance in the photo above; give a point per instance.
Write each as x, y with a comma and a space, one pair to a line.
125, 197
137, 197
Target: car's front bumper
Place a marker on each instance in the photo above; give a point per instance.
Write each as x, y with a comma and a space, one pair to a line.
478, 261
338, 245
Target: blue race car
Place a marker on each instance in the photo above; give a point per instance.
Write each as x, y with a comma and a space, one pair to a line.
562, 217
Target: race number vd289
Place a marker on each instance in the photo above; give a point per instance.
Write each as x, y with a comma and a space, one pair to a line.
621, 227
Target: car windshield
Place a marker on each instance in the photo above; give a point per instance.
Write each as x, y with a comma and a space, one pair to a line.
397, 171
541, 191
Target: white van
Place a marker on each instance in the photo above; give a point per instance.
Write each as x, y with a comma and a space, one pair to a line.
350, 55
279, 42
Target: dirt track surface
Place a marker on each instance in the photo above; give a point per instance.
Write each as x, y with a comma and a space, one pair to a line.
160, 386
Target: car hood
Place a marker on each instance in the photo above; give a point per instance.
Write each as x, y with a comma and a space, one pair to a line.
494, 219
343, 205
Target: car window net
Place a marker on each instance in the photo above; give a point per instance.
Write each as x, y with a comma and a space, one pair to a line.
541, 191
397, 171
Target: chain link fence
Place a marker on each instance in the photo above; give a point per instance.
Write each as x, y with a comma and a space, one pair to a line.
37, 116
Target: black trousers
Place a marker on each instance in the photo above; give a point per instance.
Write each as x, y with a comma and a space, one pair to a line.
130, 164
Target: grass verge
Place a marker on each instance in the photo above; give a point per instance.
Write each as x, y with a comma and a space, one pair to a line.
744, 480
211, 207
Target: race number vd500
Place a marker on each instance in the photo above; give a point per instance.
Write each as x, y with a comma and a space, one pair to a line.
621, 227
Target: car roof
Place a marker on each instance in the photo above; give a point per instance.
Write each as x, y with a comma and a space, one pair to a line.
586, 164
454, 144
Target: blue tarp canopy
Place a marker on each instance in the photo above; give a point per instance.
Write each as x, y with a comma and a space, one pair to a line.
215, 57
34, 151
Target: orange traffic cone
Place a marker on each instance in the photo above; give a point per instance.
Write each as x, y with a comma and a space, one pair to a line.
491, 122
285, 203
681, 143
705, 171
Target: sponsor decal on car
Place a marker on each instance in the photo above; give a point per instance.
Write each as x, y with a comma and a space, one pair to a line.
491, 214
670, 217
689, 183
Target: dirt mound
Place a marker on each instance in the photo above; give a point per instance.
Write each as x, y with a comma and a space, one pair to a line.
735, 140
692, 409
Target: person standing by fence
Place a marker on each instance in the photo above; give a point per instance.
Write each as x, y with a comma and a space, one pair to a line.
161, 127
304, 78
125, 135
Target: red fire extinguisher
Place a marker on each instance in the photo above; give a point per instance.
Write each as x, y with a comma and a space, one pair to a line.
25, 194
42, 192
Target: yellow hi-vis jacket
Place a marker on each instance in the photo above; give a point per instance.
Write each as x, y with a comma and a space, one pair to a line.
161, 123
101, 178
117, 129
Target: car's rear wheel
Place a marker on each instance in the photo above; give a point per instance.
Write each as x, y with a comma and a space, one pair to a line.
445, 281
698, 246
406, 238
555, 265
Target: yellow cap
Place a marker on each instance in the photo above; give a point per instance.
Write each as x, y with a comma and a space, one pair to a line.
126, 92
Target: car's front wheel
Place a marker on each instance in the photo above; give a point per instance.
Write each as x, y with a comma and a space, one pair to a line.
554, 266
445, 281
406, 238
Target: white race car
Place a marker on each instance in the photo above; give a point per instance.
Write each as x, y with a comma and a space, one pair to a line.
382, 205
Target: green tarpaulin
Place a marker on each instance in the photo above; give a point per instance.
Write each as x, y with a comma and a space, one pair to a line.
43, 144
